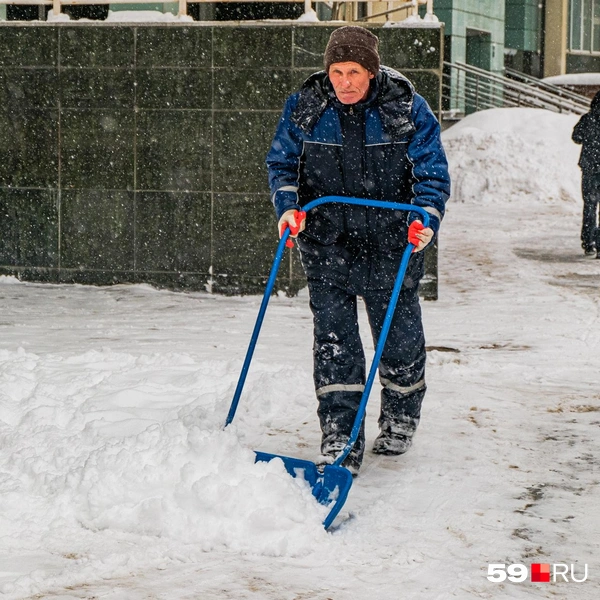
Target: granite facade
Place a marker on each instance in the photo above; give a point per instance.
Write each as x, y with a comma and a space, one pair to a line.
135, 152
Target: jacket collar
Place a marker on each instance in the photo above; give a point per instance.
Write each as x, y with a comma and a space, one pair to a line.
391, 94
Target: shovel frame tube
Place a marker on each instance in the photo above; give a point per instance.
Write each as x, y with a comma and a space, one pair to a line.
291, 464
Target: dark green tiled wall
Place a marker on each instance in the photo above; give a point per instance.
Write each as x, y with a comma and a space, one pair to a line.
427, 83
28, 88
95, 88
28, 46
242, 227
241, 142
174, 150
247, 89
309, 45
97, 230
97, 149
257, 47
422, 51
29, 227
136, 152
168, 89
28, 147
176, 47
173, 231
89, 47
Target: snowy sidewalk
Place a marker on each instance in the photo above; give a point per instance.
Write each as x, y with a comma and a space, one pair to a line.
117, 481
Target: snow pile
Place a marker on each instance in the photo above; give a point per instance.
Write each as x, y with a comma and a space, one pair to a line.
144, 16
196, 486
60, 17
110, 441
574, 79
309, 16
429, 20
9, 280
513, 155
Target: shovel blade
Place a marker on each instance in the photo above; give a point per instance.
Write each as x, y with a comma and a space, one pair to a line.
330, 488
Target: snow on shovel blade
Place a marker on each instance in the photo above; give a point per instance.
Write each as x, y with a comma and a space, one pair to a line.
329, 488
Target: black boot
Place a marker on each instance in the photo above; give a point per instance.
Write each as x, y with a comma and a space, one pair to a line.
332, 445
395, 438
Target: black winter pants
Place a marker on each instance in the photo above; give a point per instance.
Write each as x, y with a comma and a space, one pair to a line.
339, 360
590, 232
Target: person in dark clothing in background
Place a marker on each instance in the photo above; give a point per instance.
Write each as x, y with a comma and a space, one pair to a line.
587, 133
358, 129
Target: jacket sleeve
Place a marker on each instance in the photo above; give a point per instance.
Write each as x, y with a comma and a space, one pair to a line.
579, 130
283, 162
431, 178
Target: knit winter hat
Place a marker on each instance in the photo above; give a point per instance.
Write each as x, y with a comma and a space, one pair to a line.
353, 44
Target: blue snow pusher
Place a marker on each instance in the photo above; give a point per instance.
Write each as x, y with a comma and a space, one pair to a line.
331, 486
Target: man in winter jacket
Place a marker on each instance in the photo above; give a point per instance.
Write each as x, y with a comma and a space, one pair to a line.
587, 133
358, 129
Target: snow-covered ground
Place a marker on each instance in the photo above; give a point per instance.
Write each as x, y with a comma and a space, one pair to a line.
118, 482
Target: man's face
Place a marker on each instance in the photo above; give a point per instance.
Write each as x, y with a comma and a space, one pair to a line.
350, 81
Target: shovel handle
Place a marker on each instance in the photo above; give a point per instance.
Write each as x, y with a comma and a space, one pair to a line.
386, 323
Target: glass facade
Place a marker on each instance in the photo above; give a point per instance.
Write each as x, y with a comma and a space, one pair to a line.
584, 26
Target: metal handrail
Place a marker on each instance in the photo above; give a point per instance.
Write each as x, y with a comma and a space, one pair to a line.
531, 80
471, 88
536, 93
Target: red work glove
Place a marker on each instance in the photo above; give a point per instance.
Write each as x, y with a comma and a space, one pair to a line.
419, 235
295, 220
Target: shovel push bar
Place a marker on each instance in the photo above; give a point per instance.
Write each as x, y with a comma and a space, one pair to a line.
386, 323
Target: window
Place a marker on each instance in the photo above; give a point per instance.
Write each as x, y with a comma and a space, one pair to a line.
584, 30
596, 28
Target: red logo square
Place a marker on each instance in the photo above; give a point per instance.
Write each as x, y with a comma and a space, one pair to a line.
540, 572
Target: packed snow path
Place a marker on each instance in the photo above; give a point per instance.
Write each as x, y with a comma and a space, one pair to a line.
117, 481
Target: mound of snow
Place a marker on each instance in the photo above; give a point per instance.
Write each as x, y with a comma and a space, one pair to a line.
9, 280
574, 79
513, 155
143, 16
134, 445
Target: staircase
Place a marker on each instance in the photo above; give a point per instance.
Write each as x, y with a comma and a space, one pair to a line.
467, 89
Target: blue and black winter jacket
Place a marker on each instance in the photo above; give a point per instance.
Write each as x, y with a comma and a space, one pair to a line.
386, 147
403, 158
